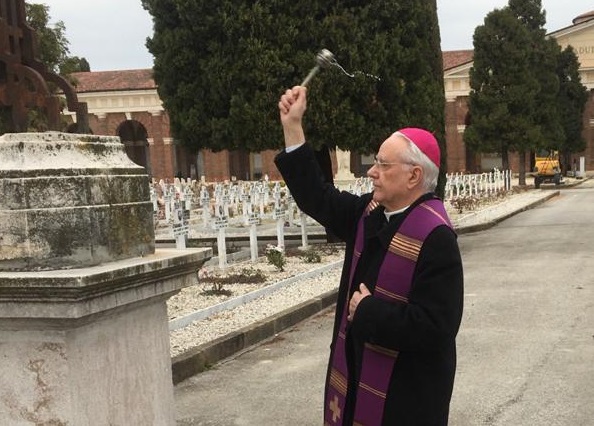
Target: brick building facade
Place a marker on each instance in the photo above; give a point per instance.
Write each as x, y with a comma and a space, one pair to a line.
126, 104
457, 65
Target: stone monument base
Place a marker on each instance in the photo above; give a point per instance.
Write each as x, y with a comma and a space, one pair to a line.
90, 346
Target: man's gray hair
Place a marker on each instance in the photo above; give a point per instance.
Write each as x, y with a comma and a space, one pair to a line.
414, 155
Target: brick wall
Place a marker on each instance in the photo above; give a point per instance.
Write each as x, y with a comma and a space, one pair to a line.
216, 165
268, 166
455, 115
588, 133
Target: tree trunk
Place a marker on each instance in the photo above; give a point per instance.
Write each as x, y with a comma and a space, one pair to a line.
504, 158
565, 162
522, 177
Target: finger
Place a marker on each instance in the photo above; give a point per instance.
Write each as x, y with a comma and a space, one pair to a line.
299, 92
290, 96
364, 290
287, 100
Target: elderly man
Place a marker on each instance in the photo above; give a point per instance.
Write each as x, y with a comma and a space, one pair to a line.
393, 351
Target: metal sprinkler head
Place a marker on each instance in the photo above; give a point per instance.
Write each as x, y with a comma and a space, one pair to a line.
324, 59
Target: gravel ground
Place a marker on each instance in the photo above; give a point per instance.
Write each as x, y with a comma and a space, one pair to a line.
201, 295
194, 298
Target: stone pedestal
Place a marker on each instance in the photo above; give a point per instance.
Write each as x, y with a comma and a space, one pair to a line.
344, 177
70, 201
90, 346
84, 337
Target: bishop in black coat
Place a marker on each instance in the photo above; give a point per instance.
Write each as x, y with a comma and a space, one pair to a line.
420, 332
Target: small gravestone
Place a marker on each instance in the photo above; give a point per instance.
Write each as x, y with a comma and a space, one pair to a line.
205, 205
180, 226
221, 222
278, 214
252, 219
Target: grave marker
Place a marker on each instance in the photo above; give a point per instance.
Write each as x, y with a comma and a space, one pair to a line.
221, 223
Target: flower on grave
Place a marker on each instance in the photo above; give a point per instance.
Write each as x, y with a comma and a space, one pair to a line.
276, 257
204, 274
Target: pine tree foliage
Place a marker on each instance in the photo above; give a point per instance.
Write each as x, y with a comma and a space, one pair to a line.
221, 67
543, 54
503, 87
521, 84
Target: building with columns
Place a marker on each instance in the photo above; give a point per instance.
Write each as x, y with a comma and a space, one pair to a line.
126, 104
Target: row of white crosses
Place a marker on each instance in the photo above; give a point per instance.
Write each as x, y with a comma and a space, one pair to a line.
257, 201
258, 198
247, 198
179, 192
177, 204
361, 186
477, 185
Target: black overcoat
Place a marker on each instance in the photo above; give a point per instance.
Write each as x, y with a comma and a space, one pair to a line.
423, 330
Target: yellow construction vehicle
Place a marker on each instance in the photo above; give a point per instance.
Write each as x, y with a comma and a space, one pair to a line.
547, 168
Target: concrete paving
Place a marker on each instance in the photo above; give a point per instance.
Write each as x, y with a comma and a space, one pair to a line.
525, 349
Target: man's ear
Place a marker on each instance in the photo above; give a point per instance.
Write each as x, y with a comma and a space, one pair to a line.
416, 177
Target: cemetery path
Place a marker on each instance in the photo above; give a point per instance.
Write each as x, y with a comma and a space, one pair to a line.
525, 347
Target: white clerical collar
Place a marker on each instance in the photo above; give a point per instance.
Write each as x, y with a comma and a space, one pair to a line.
390, 214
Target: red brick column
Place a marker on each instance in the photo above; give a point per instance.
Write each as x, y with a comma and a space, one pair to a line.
268, 166
100, 127
588, 134
216, 165
162, 150
455, 117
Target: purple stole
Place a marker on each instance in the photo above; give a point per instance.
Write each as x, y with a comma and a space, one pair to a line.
393, 284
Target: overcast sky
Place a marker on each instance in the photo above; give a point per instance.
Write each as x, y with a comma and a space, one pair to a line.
111, 34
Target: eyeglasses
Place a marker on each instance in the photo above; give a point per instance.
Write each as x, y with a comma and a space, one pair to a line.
384, 165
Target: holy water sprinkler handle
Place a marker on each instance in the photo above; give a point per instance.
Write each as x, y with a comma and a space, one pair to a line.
323, 60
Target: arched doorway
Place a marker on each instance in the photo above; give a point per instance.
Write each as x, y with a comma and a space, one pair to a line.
135, 138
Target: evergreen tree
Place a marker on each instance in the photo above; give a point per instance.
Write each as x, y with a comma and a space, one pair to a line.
74, 64
52, 45
530, 14
221, 66
514, 82
543, 56
503, 88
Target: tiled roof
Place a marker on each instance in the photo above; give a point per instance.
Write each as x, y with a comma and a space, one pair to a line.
454, 58
110, 81
107, 81
584, 17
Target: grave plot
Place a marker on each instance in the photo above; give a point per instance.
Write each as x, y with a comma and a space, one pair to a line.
209, 309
